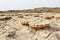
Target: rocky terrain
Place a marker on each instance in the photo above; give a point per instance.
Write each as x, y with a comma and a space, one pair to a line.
30, 26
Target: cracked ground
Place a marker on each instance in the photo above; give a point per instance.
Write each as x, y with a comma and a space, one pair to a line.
30, 26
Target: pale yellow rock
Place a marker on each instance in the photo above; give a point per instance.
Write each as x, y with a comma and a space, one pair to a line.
48, 17
14, 23
57, 16
30, 26
1, 38
39, 24
24, 21
41, 35
52, 37
3, 18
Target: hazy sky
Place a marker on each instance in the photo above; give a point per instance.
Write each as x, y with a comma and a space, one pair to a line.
27, 4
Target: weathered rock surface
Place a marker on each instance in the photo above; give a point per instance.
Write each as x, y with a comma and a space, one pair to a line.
30, 26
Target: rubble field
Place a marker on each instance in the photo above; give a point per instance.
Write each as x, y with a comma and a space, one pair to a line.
30, 26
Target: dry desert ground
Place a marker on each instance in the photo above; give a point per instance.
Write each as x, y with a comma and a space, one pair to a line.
30, 26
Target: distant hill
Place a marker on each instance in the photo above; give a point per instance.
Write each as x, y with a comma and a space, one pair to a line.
35, 10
